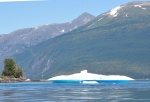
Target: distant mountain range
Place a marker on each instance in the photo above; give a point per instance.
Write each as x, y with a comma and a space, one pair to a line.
21, 39
115, 42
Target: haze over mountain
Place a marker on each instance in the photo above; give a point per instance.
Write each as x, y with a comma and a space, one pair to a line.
19, 40
115, 42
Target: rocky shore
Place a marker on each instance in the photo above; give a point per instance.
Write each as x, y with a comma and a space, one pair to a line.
7, 80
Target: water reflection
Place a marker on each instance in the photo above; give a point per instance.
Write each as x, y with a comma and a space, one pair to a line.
47, 92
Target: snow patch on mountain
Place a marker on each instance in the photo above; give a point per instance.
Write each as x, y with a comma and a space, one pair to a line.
86, 19
100, 19
138, 6
114, 12
91, 25
62, 31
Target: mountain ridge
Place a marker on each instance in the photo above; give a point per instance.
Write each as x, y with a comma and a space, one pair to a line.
21, 39
109, 44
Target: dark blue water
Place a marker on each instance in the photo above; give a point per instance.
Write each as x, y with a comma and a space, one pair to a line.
136, 91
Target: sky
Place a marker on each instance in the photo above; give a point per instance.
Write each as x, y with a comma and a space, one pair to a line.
18, 14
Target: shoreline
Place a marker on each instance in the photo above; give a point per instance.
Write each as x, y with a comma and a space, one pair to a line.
8, 80
12, 80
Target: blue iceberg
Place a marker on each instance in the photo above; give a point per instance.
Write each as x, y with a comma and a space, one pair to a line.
89, 78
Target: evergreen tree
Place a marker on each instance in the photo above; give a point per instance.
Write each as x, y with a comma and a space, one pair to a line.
18, 73
11, 69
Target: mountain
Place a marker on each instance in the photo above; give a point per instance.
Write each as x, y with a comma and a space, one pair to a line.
21, 39
115, 42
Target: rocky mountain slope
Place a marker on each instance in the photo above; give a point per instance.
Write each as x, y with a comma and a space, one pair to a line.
19, 40
115, 42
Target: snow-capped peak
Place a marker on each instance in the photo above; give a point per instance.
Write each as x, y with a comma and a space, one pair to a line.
114, 12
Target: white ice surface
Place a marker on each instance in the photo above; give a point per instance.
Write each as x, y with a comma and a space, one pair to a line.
84, 75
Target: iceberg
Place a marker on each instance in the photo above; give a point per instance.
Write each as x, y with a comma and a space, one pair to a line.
89, 78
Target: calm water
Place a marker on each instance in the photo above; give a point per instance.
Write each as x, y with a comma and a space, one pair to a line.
137, 91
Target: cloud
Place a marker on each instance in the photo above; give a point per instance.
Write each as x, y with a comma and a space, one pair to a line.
19, 0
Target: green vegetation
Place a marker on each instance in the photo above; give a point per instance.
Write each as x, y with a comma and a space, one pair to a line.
119, 45
11, 69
